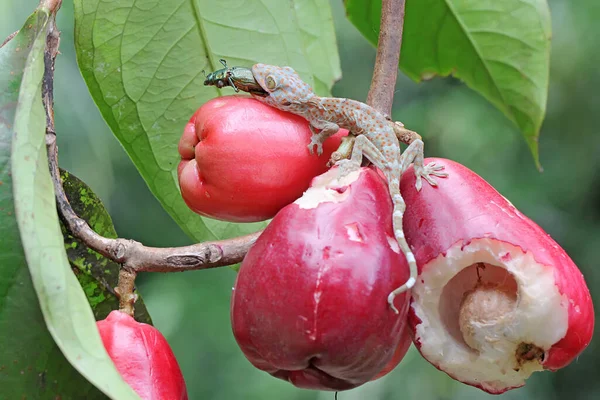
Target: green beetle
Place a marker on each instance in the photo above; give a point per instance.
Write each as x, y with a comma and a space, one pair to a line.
239, 78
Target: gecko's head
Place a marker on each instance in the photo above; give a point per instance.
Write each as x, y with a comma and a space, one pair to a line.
284, 86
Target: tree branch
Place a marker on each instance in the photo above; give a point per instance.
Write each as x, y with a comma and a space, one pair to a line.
134, 256
125, 291
385, 73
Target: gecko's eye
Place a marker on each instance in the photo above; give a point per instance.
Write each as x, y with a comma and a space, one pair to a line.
270, 82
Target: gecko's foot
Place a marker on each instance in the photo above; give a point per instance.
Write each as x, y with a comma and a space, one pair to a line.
427, 172
346, 166
314, 141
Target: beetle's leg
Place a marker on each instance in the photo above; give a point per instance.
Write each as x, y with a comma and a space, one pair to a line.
222, 61
232, 84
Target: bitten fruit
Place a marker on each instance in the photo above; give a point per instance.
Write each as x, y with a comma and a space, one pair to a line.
310, 301
497, 298
242, 161
143, 357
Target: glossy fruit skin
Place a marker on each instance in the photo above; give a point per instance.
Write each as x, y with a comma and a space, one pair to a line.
143, 357
401, 350
465, 207
242, 161
310, 301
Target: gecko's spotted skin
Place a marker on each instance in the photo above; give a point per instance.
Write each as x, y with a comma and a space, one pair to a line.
290, 93
375, 139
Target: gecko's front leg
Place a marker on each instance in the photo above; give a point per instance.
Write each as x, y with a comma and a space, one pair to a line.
414, 154
327, 128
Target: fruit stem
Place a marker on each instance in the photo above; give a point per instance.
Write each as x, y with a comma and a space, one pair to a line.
343, 151
125, 291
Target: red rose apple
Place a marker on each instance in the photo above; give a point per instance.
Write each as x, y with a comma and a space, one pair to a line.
242, 161
142, 357
310, 300
496, 298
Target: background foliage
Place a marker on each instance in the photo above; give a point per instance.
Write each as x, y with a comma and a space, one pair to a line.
192, 309
34, 327
499, 48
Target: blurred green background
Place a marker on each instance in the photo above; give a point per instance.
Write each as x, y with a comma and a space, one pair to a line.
192, 309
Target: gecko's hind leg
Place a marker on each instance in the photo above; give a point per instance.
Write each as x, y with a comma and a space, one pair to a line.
362, 146
414, 154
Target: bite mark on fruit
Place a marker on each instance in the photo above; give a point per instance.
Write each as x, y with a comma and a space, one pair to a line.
353, 231
466, 222
480, 303
323, 269
328, 187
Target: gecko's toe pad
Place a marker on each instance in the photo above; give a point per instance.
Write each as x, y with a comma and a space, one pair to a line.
428, 172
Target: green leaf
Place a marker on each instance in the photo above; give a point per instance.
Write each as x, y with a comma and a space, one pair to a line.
64, 308
143, 63
31, 364
97, 274
501, 49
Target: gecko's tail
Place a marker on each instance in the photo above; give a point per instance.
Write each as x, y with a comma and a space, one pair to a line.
397, 217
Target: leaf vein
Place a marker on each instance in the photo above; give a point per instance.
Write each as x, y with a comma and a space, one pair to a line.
505, 35
123, 62
472, 41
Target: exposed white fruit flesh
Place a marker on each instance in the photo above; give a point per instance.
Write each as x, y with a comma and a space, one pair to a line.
328, 187
481, 307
